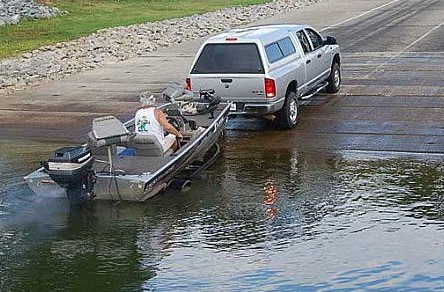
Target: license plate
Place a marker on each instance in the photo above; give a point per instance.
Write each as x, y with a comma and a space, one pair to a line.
233, 107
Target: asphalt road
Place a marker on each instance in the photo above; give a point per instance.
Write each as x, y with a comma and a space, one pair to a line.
391, 100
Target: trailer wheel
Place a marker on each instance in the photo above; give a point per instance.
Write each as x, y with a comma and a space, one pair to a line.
287, 117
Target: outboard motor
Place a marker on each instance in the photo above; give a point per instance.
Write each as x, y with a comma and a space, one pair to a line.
71, 167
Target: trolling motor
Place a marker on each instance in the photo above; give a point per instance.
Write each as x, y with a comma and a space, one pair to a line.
71, 168
205, 104
210, 101
186, 104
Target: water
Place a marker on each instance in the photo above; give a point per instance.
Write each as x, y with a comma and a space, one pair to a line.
339, 221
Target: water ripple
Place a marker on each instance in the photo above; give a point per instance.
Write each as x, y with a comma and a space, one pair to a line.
260, 219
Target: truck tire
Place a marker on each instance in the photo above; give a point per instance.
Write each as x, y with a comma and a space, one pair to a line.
287, 117
334, 80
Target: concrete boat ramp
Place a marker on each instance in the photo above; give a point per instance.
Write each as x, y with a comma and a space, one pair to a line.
391, 101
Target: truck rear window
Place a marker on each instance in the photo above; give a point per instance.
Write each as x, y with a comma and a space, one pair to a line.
229, 58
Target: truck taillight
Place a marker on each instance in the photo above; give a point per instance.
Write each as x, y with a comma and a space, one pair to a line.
188, 83
270, 87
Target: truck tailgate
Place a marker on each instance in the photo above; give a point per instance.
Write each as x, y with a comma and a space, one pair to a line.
242, 88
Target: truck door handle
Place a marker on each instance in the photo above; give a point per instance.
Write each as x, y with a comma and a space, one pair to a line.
319, 55
226, 80
308, 61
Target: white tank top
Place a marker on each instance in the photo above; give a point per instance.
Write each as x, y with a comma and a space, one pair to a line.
147, 124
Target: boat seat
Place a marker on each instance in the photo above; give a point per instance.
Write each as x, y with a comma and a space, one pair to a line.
148, 145
107, 131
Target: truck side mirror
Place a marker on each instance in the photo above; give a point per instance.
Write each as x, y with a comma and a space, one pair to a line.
330, 41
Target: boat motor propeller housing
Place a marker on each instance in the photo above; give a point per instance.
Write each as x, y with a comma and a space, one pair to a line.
71, 168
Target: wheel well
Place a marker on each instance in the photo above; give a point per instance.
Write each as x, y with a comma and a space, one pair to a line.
337, 59
293, 86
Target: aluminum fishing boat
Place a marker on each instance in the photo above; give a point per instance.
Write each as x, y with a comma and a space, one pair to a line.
114, 165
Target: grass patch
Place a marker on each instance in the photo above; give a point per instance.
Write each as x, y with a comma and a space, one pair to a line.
86, 17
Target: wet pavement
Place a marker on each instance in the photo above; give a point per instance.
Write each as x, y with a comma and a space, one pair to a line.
357, 186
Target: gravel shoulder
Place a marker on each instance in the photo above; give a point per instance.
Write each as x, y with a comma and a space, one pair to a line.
13, 11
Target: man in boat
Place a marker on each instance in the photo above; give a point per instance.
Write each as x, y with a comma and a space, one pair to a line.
150, 120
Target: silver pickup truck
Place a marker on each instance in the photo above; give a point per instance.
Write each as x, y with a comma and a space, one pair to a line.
266, 70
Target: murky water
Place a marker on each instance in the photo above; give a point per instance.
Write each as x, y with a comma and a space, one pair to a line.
265, 217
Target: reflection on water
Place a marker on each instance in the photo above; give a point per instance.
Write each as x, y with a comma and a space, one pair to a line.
270, 197
265, 217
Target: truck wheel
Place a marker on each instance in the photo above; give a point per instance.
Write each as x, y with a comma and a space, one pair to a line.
334, 80
287, 117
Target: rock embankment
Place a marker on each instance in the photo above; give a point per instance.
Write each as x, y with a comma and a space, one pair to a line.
12, 11
116, 44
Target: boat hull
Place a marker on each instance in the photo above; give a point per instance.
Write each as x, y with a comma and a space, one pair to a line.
122, 186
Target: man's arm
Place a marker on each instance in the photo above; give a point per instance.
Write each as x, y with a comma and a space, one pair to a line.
161, 117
